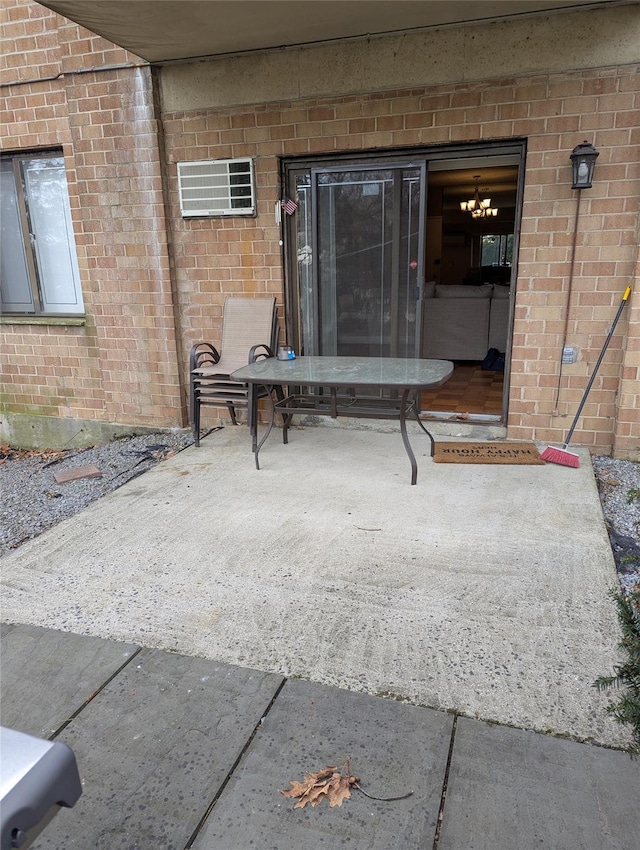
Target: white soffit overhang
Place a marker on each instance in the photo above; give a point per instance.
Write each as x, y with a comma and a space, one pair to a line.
168, 30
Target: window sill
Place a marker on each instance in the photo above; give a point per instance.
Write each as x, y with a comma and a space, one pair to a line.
42, 320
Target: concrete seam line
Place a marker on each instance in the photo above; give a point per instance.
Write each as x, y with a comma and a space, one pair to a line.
232, 770
436, 839
73, 716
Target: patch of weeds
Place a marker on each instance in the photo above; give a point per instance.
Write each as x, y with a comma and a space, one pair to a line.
627, 675
629, 563
633, 495
393, 695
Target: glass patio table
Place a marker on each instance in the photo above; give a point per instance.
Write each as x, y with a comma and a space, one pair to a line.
336, 381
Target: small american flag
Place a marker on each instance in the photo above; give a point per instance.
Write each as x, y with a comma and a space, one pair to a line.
288, 205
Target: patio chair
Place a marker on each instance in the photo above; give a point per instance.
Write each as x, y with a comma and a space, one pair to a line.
249, 332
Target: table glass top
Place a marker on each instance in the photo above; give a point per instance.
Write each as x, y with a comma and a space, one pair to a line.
347, 372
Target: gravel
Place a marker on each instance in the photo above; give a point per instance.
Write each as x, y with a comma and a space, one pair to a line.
32, 501
619, 488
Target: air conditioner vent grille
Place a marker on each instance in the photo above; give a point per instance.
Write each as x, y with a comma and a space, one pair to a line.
216, 187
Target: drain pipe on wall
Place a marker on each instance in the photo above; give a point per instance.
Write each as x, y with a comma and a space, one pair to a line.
566, 355
583, 159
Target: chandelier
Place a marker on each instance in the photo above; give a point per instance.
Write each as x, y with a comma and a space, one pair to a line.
477, 206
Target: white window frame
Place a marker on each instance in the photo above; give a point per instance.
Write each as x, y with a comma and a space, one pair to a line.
39, 266
217, 187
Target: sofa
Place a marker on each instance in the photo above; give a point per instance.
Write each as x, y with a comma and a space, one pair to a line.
464, 322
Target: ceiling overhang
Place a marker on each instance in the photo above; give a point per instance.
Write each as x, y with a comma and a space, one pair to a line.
171, 30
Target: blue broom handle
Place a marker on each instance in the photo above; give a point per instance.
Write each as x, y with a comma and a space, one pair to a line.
625, 298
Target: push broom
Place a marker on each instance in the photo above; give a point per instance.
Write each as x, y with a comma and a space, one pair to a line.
562, 456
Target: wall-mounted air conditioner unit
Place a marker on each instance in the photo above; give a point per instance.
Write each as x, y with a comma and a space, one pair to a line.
216, 187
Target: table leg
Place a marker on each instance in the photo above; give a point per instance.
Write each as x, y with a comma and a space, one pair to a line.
405, 436
252, 415
259, 445
416, 409
287, 419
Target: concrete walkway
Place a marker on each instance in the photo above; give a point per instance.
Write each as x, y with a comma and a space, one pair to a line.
481, 590
177, 752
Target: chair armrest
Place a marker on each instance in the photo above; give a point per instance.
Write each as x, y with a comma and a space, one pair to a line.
259, 352
203, 354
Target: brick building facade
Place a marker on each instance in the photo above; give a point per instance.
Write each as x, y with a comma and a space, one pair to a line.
154, 282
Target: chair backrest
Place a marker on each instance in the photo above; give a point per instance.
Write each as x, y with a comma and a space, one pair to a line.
246, 322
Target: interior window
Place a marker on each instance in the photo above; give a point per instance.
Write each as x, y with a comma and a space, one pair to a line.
39, 267
497, 250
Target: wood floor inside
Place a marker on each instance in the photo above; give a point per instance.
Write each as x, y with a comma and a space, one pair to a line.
470, 389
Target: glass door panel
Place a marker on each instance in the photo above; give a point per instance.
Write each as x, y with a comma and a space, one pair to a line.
360, 253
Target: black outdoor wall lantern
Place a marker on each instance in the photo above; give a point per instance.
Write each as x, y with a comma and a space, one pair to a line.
583, 160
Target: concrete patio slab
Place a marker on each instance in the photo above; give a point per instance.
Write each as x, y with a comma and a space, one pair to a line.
511, 788
483, 589
154, 747
395, 748
47, 676
179, 753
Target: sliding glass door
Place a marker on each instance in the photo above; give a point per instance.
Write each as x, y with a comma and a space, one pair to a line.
360, 258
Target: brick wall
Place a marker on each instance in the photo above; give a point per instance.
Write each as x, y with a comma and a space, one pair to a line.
121, 365
152, 286
554, 113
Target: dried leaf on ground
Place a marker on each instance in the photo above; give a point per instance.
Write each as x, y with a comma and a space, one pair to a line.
339, 789
327, 783
9, 453
298, 789
332, 785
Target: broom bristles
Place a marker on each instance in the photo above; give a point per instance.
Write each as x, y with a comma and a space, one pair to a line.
561, 457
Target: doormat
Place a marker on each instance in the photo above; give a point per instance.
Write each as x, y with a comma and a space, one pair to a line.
451, 452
